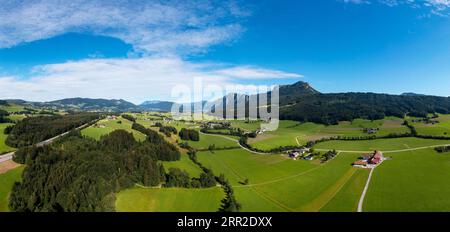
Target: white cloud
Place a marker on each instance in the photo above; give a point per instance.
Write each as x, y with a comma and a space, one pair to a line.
437, 7
135, 80
151, 26
249, 72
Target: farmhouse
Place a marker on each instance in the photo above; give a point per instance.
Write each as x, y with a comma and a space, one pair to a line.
370, 130
369, 160
111, 117
296, 153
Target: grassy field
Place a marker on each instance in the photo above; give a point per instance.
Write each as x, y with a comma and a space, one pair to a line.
277, 183
7, 181
380, 144
109, 126
3, 147
12, 108
411, 181
169, 200
439, 129
346, 200
291, 133
206, 140
184, 164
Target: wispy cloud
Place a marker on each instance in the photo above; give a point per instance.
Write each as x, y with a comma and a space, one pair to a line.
151, 26
249, 72
136, 80
436, 7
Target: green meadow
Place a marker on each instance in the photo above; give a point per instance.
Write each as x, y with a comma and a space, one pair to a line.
380, 144
140, 199
277, 183
3, 147
207, 140
438, 129
291, 133
184, 164
414, 181
7, 181
12, 108
105, 126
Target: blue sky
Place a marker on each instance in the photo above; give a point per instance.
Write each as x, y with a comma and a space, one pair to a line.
139, 50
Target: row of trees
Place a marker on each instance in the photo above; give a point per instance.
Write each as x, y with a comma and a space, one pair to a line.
129, 117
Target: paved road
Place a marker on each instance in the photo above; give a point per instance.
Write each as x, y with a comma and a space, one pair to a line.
237, 141
10, 155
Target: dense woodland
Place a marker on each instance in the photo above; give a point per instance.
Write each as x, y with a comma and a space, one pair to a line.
188, 134
33, 130
332, 108
82, 174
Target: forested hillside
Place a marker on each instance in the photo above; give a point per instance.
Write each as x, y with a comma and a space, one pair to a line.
331, 108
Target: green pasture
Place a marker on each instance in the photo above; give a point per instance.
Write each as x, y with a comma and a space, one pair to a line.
277, 183
413, 181
184, 164
140, 199
3, 147
380, 144
291, 133
105, 126
7, 181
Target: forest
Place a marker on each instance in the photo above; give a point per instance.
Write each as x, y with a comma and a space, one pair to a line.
81, 174
33, 130
329, 109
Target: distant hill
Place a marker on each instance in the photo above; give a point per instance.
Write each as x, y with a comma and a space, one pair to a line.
157, 105
88, 104
412, 94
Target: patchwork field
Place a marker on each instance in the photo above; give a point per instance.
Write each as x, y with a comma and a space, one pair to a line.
12, 108
277, 183
104, 127
7, 181
169, 200
380, 144
291, 133
3, 147
415, 181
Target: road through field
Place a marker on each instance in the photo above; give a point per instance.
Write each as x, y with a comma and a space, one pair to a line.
9, 156
231, 139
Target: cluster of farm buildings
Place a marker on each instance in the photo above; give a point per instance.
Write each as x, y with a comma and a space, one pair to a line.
369, 160
300, 154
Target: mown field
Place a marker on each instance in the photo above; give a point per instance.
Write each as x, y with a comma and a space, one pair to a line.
380, 144
169, 200
291, 133
417, 181
7, 181
3, 147
95, 131
277, 183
